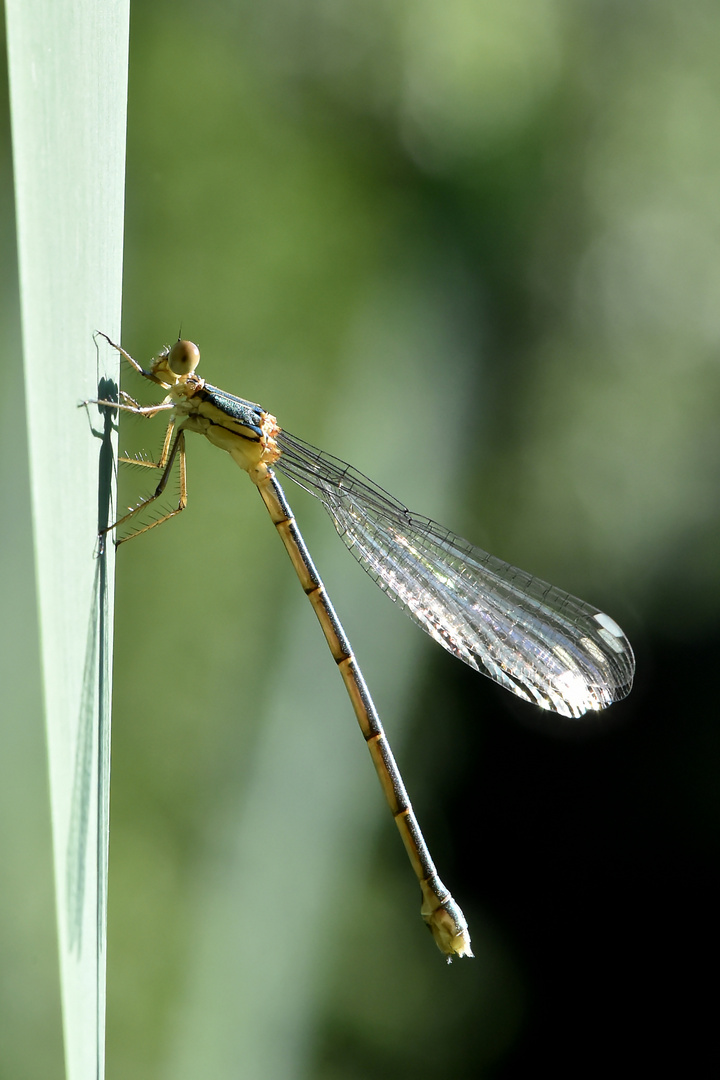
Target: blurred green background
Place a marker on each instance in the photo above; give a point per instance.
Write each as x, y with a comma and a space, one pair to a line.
474, 249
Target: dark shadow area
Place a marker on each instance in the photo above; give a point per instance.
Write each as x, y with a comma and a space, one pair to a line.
597, 858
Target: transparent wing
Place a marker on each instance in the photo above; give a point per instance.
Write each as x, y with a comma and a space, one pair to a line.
537, 641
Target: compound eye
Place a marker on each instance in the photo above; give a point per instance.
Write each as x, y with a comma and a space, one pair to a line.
183, 358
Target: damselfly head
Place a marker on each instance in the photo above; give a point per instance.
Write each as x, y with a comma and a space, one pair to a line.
173, 365
183, 357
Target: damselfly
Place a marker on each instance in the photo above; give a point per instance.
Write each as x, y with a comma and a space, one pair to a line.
539, 642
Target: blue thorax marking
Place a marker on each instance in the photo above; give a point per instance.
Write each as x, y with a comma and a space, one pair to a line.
243, 412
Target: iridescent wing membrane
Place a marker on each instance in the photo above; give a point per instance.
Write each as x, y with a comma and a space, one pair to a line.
541, 643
